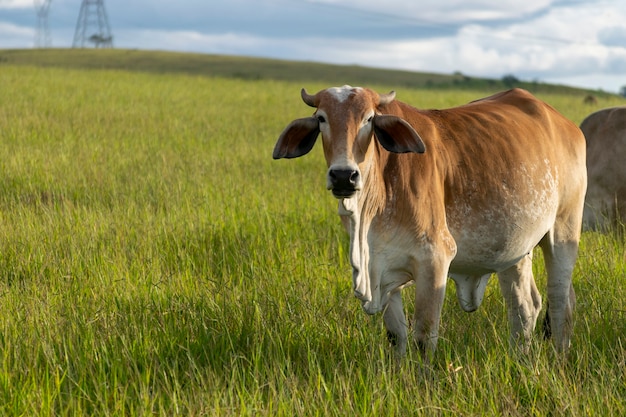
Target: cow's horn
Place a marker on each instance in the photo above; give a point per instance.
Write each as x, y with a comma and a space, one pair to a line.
387, 98
308, 98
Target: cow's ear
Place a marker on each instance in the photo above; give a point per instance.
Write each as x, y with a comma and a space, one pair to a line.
396, 135
297, 139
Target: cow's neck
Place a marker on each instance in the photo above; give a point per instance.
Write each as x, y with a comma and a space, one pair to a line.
361, 210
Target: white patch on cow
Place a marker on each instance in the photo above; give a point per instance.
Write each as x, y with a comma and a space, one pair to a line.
525, 219
377, 271
342, 93
545, 197
359, 251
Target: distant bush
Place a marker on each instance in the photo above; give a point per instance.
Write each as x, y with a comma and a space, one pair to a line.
510, 80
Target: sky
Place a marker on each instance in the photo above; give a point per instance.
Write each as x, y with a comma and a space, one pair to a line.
579, 43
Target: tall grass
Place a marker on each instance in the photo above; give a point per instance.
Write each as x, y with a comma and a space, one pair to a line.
155, 260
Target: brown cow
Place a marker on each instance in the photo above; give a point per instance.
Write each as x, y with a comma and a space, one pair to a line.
463, 192
605, 203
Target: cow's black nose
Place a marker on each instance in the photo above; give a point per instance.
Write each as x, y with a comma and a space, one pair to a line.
343, 181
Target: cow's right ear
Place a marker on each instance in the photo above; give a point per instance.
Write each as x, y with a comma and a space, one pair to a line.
297, 139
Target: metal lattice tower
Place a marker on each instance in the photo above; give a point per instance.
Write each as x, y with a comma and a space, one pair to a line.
42, 35
92, 26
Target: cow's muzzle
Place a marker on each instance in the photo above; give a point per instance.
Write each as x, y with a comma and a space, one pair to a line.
344, 182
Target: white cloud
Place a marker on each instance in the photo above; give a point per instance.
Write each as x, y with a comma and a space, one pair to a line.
565, 41
227, 43
448, 11
16, 4
13, 36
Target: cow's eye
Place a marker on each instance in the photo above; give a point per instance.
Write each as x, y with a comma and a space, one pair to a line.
321, 119
369, 119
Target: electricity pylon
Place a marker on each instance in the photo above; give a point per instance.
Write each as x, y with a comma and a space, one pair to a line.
42, 34
92, 26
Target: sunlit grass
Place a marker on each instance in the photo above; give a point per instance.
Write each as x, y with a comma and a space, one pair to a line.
154, 259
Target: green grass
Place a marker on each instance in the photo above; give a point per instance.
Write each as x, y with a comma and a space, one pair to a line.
154, 259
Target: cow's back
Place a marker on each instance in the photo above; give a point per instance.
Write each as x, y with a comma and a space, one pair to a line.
605, 133
512, 163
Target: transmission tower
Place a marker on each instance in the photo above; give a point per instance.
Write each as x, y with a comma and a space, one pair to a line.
93, 26
42, 35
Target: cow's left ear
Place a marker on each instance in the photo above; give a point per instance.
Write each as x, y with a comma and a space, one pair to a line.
297, 139
396, 135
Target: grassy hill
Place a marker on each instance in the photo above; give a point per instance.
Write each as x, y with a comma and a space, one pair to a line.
260, 68
155, 260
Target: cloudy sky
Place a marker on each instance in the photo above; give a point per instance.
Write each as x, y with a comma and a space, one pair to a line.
573, 42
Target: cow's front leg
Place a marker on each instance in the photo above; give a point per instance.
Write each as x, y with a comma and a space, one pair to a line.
430, 275
396, 325
429, 296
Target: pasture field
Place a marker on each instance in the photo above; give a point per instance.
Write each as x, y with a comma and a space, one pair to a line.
155, 260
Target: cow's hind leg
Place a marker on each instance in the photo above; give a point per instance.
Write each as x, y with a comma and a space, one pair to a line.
560, 257
522, 299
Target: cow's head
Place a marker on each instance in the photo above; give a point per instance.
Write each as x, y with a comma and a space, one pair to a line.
348, 118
